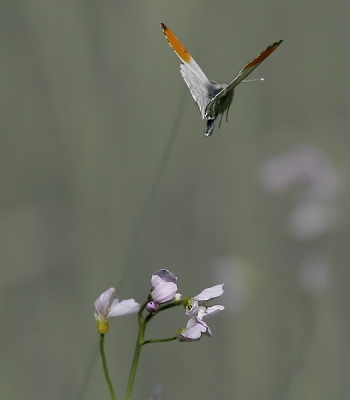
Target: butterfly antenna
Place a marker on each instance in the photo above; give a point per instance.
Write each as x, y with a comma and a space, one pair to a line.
254, 80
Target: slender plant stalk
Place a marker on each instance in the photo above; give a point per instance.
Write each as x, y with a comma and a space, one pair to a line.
135, 361
140, 342
105, 369
160, 340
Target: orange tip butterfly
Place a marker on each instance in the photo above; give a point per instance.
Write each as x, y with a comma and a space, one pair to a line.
212, 98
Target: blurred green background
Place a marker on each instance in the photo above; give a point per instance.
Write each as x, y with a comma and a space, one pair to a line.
91, 95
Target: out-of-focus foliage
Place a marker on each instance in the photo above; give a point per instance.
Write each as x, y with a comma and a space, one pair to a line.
90, 94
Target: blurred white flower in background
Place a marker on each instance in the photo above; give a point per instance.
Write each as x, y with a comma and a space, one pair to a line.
315, 274
156, 393
317, 189
317, 185
302, 164
311, 218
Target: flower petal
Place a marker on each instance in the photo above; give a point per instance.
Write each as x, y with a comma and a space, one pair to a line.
103, 302
195, 329
125, 307
192, 308
210, 293
211, 311
163, 275
163, 292
205, 328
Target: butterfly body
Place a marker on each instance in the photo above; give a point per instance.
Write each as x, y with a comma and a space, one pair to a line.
219, 107
222, 104
212, 98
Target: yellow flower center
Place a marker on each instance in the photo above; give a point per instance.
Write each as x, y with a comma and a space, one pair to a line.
102, 325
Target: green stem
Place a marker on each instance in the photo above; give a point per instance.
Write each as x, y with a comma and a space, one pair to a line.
160, 340
140, 341
137, 352
105, 369
164, 307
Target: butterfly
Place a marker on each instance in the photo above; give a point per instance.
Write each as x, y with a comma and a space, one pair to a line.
212, 98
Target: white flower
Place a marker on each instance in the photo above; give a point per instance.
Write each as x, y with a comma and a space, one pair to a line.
164, 288
197, 311
108, 305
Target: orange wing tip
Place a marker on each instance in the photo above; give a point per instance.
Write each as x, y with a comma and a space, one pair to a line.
175, 44
261, 57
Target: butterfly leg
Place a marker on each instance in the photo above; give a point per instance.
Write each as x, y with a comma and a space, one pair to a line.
228, 109
220, 120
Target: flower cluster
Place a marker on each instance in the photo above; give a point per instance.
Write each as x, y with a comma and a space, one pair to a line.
197, 311
164, 288
163, 293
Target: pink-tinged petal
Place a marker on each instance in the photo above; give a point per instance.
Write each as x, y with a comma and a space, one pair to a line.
163, 275
201, 312
191, 322
190, 335
211, 311
194, 331
210, 293
192, 308
164, 286
156, 281
205, 327
103, 302
125, 307
164, 292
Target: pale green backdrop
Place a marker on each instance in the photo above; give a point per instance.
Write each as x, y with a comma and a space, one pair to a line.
91, 96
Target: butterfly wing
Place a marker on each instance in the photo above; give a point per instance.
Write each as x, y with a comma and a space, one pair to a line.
213, 106
195, 79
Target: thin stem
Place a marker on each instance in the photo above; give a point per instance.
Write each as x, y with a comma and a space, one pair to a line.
105, 369
164, 307
140, 341
135, 361
159, 340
